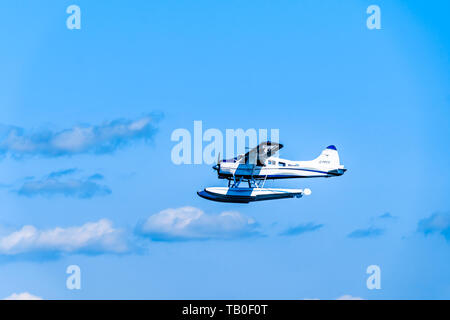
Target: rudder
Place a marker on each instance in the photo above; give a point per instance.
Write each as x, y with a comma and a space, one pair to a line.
329, 157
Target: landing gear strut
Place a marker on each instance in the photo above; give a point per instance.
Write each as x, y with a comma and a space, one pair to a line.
252, 182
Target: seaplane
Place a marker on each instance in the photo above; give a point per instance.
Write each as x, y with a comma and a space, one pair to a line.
260, 164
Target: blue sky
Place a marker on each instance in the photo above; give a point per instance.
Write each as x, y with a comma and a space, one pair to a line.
86, 176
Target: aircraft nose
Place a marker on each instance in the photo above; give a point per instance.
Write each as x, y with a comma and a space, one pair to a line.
215, 167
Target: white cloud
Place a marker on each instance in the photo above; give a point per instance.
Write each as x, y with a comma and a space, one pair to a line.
102, 138
344, 297
23, 296
349, 297
189, 223
92, 237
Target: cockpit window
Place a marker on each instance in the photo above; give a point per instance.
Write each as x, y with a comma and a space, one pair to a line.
282, 164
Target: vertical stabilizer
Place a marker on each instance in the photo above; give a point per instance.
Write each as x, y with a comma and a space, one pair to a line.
328, 158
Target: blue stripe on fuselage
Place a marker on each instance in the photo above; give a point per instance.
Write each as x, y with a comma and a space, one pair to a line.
278, 176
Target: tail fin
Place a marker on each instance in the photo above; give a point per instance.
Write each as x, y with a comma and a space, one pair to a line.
328, 158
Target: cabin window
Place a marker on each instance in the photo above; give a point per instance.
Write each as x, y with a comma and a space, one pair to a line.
282, 164
293, 165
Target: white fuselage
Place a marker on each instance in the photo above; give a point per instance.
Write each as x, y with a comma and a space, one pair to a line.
277, 168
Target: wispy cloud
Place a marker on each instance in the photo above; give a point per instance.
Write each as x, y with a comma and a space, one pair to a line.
386, 215
370, 232
61, 173
22, 296
96, 176
104, 138
189, 223
301, 228
436, 223
90, 238
378, 226
63, 183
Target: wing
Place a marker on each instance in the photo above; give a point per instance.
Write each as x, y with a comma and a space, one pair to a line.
264, 150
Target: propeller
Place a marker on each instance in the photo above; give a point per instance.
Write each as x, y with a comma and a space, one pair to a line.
217, 166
